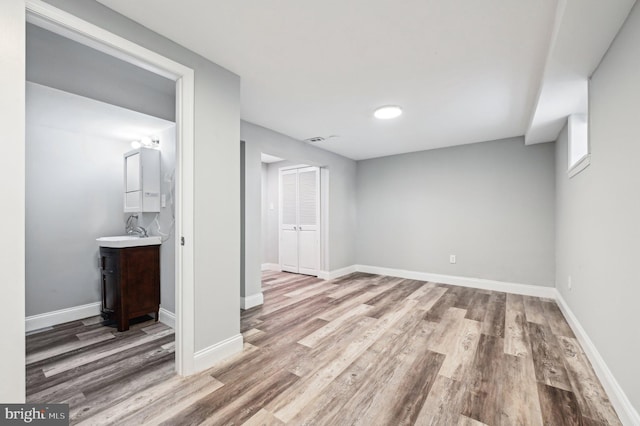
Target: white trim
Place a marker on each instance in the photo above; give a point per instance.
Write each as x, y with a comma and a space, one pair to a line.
578, 131
70, 26
48, 319
167, 317
207, 357
297, 166
515, 288
625, 410
251, 301
298, 227
324, 219
184, 208
332, 275
270, 267
579, 166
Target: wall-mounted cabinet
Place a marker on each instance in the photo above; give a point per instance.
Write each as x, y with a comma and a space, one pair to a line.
142, 180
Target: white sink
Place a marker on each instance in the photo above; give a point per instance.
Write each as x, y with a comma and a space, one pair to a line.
124, 241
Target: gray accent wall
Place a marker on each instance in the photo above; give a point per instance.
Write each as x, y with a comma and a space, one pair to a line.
216, 170
342, 207
491, 204
598, 214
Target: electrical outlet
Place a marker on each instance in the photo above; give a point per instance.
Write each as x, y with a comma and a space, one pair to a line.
452, 258
569, 284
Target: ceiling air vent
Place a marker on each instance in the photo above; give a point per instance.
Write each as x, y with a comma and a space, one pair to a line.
315, 139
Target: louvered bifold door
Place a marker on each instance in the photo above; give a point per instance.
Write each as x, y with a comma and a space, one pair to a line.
308, 220
289, 220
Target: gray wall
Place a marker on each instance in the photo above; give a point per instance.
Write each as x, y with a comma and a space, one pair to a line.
12, 111
58, 62
216, 166
598, 212
74, 181
491, 204
342, 213
74, 195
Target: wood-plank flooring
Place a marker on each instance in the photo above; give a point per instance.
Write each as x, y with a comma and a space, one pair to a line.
362, 349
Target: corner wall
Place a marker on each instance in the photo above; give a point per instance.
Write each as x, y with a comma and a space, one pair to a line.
598, 214
491, 204
342, 207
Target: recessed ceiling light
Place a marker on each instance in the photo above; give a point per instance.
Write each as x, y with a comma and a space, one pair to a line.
388, 111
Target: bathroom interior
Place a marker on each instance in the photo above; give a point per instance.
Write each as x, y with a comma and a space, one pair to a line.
100, 179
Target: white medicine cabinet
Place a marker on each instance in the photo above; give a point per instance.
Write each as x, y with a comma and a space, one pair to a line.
142, 180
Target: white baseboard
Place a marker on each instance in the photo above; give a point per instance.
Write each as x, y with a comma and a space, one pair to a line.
48, 319
515, 288
270, 267
208, 357
332, 275
625, 410
251, 301
168, 318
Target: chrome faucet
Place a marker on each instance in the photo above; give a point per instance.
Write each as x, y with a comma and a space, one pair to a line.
138, 230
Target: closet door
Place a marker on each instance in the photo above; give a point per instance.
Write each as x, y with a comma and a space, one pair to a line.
308, 220
300, 220
289, 220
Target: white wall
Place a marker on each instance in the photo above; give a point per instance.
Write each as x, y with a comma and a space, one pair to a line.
12, 194
342, 213
216, 167
491, 204
598, 212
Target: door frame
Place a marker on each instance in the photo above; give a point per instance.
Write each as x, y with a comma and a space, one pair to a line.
67, 25
323, 223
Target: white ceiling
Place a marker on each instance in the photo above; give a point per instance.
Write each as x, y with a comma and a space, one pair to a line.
464, 71
65, 111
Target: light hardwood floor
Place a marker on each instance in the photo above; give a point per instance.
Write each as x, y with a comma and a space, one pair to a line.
362, 349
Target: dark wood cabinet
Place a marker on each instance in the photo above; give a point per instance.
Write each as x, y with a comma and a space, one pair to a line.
130, 283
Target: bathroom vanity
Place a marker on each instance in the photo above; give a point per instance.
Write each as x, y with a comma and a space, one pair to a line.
130, 278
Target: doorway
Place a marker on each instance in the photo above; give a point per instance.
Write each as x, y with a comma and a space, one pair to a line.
295, 217
299, 222
71, 27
